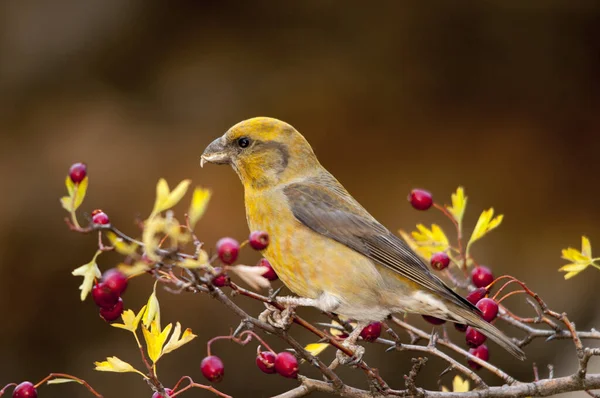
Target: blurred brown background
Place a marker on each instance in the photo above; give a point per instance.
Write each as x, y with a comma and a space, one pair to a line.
499, 96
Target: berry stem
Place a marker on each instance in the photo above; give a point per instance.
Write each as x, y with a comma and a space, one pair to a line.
508, 295
70, 377
193, 384
7, 386
244, 338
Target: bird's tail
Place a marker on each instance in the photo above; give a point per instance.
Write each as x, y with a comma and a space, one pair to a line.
474, 320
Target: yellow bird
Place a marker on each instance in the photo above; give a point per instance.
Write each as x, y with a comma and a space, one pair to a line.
324, 245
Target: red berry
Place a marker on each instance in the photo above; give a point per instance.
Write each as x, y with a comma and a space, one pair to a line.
77, 172
265, 361
112, 314
433, 320
476, 295
482, 276
228, 250
270, 272
221, 279
104, 296
480, 352
371, 332
167, 390
25, 390
115, 280
100, 218
440, 261
259, 240
420, 199
212, 368
474, 337
488, 308
286, 365
460, 327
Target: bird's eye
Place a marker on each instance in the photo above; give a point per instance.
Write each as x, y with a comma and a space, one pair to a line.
243, 142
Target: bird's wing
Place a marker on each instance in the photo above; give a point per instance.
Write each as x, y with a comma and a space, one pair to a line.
324, 206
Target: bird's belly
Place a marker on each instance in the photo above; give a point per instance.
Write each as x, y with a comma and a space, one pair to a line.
310, 264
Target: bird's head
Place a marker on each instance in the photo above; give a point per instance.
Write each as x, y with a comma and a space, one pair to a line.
263, 151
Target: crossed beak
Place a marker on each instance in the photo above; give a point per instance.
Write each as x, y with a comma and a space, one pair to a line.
216, 153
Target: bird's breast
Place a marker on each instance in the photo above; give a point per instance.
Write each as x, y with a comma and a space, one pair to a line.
307, 262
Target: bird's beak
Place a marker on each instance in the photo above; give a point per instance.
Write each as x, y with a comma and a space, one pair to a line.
215, 153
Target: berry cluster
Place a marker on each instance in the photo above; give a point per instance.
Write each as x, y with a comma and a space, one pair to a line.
481, 278
228, 250
107, 294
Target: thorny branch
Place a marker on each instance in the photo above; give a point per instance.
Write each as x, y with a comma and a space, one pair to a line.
196, 281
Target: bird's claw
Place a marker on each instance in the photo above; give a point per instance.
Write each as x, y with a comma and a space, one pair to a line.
354, 360
281, 319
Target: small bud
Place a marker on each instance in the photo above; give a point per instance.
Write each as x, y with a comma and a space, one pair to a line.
440, 261
78, 172
212, 368
474, 337
228, 250
482, 276
480, 352
286, 365
371, 332
99, 217
420, 199
259, 240
433, 320
270, 273
112, 314
265, 361
488, 308
25, 390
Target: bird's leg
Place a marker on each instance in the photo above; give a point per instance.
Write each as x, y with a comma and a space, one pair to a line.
283, 318
350, 343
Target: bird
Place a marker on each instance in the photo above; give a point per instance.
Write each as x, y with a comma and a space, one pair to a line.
324, 246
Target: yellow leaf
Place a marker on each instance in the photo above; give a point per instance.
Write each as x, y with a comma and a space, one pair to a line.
62, 380
485, 224
201, 262
430, 241
175, 342
70, 185
114, 364
154, 226
122, 247
316, 348
580, 259
89, 271
130, 320
200, 200
459, 204
79, 194
166, 199
137, 268
67, 202
152, 312
155, 339
586, 247
573, 267
458, 385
